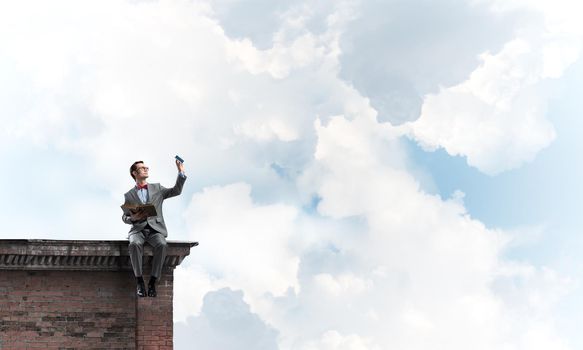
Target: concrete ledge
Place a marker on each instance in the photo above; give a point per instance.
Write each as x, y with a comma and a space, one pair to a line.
38, 254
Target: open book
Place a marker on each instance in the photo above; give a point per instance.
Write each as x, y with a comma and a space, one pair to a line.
130, 209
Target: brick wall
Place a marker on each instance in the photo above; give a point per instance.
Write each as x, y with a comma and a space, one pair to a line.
54, 309
154, 322
73, 303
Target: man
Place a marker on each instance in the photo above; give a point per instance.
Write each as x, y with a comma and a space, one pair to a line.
151, 229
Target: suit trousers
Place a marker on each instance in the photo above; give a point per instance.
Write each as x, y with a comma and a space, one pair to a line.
136, 249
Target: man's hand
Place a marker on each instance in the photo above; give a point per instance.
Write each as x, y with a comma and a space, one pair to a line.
180, 166
139, 215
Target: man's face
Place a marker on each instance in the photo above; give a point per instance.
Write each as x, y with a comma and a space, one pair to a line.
142, 171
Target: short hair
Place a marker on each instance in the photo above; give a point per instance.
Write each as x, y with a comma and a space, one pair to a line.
134, 167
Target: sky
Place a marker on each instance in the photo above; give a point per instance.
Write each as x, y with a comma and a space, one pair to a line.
361, 174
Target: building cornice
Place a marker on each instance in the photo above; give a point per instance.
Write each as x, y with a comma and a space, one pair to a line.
40, 254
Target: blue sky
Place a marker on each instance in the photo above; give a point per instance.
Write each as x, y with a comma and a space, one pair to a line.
362, 174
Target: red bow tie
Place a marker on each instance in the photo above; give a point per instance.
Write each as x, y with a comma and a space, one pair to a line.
140, 187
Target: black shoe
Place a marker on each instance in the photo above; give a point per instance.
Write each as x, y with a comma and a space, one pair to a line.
152, 290
141, 291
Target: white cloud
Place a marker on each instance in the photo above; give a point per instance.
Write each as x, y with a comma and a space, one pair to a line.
267, 131
343, 284
245, 244
276, 61
225, 323
191, 283
333, 340
496, 118
396, 52
428, 265
148, 80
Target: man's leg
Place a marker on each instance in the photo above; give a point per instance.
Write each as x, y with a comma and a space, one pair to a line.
136, 249
158, 243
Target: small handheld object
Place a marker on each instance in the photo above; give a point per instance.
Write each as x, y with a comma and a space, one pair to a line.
179, 159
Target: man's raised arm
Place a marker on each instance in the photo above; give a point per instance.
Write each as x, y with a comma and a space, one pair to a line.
180, 179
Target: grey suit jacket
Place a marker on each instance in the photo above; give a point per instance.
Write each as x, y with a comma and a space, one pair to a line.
156, 196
